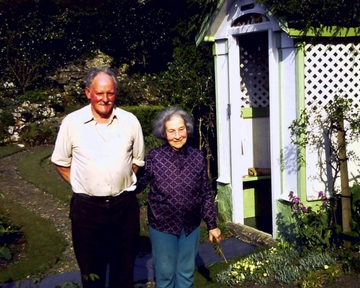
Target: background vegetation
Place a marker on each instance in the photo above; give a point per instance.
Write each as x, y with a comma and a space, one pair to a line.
304, 14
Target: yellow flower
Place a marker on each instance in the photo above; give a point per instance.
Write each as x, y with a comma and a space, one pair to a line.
326, 267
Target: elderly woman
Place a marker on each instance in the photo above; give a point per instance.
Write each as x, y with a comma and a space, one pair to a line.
179, 197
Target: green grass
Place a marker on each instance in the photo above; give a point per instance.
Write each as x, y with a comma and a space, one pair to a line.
8, 150
31, 170
44, 245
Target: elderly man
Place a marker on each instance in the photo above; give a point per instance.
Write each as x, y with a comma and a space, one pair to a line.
98, 151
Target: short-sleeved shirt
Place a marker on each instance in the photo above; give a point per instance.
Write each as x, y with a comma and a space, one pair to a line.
100, 155
180, 193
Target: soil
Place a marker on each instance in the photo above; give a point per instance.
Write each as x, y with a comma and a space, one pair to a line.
46, 206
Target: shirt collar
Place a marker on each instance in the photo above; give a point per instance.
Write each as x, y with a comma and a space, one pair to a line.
87, 116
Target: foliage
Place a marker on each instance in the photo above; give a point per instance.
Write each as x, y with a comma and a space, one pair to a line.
6, 120
188, 83
355, 211
34, 134
267, 266
38, 37
349, 259
328, 131
32, 96
303, 14
146, 116
137, 89
6, 235
311, 227
318, 127
135, 32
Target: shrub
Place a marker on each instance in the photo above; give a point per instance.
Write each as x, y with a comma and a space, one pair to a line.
355, 211
35, 134
312, 225
309, 227
8, 235
33, 96
146, 116
278, 264
6, 120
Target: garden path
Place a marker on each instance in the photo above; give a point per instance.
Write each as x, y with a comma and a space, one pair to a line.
46, 206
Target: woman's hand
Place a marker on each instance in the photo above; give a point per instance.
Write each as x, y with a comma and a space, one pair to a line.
215, 233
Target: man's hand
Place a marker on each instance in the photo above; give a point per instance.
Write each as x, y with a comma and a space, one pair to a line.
135, 168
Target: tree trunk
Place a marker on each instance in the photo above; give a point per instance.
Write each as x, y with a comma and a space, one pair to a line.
344, 178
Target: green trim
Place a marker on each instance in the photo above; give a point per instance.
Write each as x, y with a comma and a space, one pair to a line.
300, 91
255, 178
325, 31
206, 25
208, 39
254, 112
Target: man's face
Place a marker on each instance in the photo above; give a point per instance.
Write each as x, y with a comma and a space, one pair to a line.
102, 96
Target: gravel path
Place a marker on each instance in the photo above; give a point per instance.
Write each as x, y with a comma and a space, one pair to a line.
39, 202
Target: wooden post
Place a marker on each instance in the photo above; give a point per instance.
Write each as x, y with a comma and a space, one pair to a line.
344, 178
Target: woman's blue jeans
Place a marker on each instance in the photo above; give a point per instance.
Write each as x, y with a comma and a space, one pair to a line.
174, 258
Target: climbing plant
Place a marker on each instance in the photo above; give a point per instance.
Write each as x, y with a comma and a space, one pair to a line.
330, 130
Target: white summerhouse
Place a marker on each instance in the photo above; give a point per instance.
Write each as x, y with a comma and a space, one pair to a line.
263, 80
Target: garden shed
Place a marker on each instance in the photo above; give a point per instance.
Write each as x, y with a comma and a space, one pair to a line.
265, 74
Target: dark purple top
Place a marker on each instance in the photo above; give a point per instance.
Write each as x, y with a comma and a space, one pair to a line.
179, 190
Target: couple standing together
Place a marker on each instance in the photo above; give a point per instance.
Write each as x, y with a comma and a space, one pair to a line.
98, 151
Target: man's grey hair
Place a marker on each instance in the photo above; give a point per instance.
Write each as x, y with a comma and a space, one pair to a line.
96, 70
159, 129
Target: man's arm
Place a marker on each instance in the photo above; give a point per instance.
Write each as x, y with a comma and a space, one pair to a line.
64, 172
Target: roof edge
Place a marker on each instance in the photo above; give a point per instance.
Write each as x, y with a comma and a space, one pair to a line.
205, 26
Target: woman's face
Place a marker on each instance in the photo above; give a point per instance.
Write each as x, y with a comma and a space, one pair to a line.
176, 133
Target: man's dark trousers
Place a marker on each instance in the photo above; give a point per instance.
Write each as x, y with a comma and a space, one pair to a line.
105, 231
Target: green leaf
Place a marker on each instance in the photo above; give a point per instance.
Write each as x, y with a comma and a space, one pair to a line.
5, 253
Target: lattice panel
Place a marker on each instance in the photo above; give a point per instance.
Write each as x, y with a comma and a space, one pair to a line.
254, 70
332, 69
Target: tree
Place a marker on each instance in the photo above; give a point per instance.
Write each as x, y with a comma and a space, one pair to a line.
135, 32
40, 36
189, 80
303, 14
330, 130
37, 37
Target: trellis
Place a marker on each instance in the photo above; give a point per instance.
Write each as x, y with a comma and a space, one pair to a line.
254, 72
331, 69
